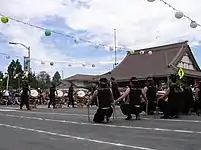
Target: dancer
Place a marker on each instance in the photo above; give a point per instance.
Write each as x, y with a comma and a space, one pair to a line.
25, 96
150, 92
105, 101
71, 96
52, 96
134, 105
171, 108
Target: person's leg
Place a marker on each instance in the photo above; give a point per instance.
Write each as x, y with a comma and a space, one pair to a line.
50, 102
126, 110
99, 116
22, 102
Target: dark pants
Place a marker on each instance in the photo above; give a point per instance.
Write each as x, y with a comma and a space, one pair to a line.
197, 105
71, 101
151, 106
52, 101
128, 109
101, 113
24, 100
169, 109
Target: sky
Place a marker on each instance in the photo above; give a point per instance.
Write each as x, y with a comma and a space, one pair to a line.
138, 23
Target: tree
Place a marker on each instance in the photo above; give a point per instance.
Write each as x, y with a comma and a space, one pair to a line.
15, 73
44, 80
56, 78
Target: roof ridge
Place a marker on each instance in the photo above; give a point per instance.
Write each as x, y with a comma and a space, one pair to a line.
163, 47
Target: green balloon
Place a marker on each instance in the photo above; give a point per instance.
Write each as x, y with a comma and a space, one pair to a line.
47, 33
4, 19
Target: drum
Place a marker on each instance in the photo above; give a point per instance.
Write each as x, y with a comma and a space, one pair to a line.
59, 93
34, 93
33, 98
59, 96
81, 98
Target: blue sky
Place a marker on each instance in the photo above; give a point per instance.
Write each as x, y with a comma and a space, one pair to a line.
92, 20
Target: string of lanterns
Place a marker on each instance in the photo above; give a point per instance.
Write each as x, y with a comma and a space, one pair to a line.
50, 62
179, 14
47, 32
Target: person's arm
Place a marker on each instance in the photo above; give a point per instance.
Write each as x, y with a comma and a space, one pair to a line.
112, 97
165, 95
124, 95
93, 97
144, 93
196, 93
56, 91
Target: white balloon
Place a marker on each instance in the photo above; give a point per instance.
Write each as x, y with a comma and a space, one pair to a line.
193, 24
179, 14
150, 52
141, 52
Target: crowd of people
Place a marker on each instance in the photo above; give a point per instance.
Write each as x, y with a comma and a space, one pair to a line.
178, 97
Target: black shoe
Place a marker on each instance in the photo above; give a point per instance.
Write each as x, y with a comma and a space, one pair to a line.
129, 117
21, 108
138, 117
48, 106
165, 117
28, 109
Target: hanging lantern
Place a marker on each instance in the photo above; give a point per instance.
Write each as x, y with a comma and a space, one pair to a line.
193, 24
42, 62
111, 48
142, 52
179, 14
93, 65
150, 52
51, 63
83, 65
47, 33
76, 41
96, 46
132, 52
4, 19
150, 0
69, 65
7, 57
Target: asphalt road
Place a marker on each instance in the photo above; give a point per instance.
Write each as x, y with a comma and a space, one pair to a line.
68, 128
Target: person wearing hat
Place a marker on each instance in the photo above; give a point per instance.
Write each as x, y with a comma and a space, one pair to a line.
134, 105
171, 108
71, 96
52, 96
150, 92
25, 96
105, 100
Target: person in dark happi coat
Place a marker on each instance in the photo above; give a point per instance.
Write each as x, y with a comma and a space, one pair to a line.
150, 92
52, 96
71, 96
134, 105
171, 108
105, 101
25, 96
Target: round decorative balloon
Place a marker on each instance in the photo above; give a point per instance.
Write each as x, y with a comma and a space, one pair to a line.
47, 33
51, 63
150, 52
4, 19
131, 52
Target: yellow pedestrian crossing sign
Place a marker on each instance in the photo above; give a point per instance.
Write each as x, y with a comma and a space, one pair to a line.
180, 73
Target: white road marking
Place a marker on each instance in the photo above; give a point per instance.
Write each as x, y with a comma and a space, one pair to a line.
84, 115
76, 137
6, 110
104, 125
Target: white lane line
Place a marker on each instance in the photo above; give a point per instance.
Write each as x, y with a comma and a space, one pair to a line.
6, 110
105, 125
83, 115
76, 137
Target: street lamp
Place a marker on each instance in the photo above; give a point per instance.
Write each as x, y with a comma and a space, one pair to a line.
27, 47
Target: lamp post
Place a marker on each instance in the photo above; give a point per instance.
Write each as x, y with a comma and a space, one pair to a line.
27, 47
115, 48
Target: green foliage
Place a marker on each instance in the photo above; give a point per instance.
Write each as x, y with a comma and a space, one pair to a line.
56, 78
17, 77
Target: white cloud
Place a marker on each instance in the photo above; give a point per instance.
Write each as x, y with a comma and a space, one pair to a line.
139, 24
